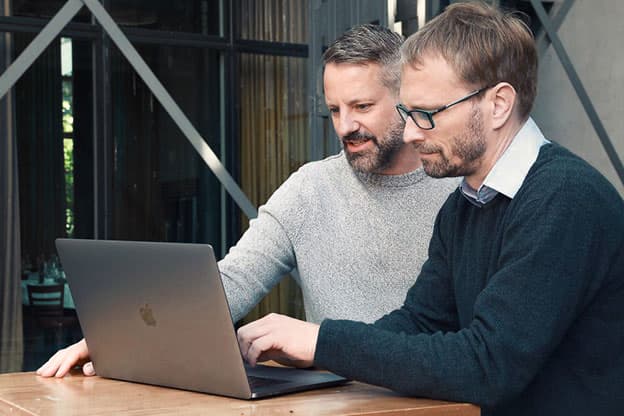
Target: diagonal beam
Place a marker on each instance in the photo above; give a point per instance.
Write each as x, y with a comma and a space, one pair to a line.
52, 30
578, 87
174, 111
38, 45
562, 11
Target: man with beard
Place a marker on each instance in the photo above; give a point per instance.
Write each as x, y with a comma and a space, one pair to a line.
519, 306
343, 222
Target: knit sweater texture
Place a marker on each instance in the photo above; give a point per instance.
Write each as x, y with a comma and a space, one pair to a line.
519, 308
345, 232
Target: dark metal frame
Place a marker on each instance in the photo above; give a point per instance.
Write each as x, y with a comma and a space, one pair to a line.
550, 28
102, 137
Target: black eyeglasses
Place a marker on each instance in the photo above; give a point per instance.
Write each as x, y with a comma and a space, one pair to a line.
424, 118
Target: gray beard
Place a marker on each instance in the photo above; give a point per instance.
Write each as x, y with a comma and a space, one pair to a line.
381, 156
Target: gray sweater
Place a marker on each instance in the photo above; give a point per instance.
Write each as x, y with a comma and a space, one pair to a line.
357, 240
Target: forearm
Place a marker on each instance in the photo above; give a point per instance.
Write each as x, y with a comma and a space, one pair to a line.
441, 366
517, 321
257, 263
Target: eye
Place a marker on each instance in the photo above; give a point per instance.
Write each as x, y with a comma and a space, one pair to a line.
363, 107
333, 110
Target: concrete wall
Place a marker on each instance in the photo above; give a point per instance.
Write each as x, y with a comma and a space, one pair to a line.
593, 36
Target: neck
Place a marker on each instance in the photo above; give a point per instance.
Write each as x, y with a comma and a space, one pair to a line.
405, 161
498, 144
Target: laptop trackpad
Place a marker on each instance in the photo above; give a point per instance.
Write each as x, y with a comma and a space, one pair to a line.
279, 380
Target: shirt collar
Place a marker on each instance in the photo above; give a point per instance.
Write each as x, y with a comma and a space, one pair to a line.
510, 170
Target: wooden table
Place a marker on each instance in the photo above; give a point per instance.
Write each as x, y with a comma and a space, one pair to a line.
28, 394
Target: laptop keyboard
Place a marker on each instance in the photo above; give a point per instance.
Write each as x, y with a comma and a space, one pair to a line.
256, 382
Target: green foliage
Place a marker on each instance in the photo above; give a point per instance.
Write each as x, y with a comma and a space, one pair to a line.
68, 163
68, 111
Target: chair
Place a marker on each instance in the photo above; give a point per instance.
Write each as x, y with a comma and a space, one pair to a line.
46, 306
46, 300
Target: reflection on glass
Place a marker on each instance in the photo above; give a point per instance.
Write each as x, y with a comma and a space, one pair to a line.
54, 132
274, 122
44, 9
179, 16
272, 20
162, 189
68, 132
39, 135
275, 139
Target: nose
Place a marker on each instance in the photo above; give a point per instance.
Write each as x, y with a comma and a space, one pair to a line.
345, 124
412, 133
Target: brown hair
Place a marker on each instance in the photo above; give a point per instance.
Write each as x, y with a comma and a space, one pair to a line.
483, 45
369, 43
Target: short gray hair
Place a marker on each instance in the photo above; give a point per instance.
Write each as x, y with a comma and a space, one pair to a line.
369, 43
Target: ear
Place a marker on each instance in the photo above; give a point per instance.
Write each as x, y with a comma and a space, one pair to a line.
503, 99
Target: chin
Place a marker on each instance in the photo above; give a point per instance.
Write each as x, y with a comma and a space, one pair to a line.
436, 171
363, 165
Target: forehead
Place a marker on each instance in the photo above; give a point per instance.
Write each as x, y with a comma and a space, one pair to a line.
431, 81
341, 80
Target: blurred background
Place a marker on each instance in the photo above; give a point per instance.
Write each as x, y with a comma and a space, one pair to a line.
86, 151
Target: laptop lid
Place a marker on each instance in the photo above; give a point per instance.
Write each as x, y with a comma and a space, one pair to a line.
156, 313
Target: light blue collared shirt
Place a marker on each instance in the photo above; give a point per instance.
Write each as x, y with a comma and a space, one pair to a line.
509, 172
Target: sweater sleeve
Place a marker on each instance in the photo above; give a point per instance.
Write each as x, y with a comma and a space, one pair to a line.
265, 252
547, 273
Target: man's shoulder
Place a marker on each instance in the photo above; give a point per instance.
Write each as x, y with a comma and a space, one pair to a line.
558, 167
331, 171
330, 164
307, 181
561, 180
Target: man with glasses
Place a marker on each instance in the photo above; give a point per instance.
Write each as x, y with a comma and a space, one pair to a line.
343, 222
519, 306
424, 118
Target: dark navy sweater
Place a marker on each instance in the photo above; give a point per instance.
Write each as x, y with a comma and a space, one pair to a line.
519, 308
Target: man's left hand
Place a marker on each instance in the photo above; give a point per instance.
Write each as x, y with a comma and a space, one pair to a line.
280, 338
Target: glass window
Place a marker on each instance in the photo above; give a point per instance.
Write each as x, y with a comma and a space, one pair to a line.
98, 156
274, 142
179, 16
162, 189
44, 9
272, 20
55, 148
273, 122
53, 113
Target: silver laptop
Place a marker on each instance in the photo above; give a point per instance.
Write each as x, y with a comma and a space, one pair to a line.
156, 313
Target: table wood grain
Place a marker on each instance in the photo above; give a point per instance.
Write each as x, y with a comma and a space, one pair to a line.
29, 394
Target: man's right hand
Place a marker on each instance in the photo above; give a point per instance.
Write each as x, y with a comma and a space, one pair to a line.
64, 360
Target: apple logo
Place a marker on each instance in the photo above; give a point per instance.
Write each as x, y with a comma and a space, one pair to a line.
147, 315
